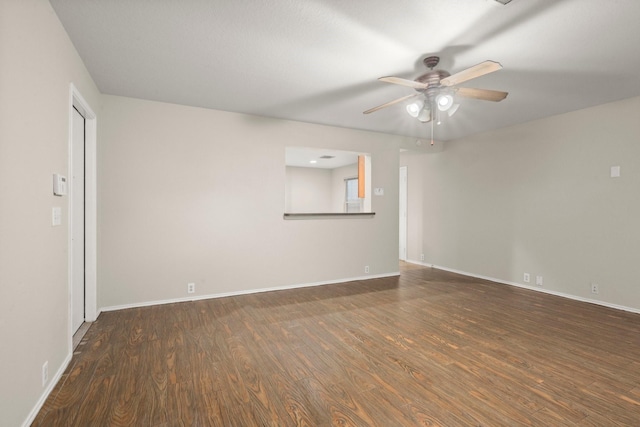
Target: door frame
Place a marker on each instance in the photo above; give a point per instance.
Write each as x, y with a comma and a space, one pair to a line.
403, 198
76, 225
90, 244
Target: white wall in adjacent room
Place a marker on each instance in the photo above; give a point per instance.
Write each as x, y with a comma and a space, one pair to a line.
308, 190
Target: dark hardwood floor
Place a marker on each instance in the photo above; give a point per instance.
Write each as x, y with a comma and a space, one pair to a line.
429, 348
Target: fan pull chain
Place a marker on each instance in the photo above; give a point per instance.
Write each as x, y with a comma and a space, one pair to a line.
431, 132
432, 120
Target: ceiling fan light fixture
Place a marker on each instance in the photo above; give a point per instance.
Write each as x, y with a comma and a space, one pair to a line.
444, 101
438, 89
415, 108
425, 115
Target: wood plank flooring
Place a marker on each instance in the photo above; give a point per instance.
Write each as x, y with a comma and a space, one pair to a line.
429, 348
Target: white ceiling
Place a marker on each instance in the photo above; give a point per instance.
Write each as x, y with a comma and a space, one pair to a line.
318, 60
303, 156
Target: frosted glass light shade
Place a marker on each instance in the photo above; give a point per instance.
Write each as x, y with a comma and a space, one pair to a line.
414, 108
444, 101
425, 115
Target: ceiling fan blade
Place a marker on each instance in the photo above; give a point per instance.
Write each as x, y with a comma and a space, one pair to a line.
483, 94
404, 82
390, 103
481, 69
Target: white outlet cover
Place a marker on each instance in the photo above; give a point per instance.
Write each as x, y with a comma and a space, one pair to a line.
45, 373
539, 280
615, 171
527, 278
378, 191
56, 216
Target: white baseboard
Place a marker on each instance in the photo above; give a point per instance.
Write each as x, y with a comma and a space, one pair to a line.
245, 292
422, 263
47, 391
532, 288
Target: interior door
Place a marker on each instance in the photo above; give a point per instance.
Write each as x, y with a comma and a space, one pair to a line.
77, 220
403, 214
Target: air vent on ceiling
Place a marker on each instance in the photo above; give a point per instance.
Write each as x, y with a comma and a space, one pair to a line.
327, 157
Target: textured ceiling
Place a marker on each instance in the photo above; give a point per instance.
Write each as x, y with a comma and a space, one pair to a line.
318, 60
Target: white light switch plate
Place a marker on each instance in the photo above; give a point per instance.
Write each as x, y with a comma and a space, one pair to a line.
56, 216
615, 171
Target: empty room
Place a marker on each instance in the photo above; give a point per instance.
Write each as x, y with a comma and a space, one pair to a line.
319, 212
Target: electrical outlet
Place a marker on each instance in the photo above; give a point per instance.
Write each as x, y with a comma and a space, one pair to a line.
366, 269
45, 373
421, 257
527, 278
191, 288
594, 288
539, 280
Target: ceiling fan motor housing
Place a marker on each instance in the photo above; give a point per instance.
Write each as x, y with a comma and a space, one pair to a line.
433, 77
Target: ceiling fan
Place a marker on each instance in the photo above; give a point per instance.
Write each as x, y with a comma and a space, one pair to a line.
436, 90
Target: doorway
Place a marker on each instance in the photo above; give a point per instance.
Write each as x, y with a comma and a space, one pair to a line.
403, 213
82, 213
78, 219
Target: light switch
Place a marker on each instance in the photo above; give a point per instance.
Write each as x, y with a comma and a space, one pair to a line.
615, 171
56, 216
378, 191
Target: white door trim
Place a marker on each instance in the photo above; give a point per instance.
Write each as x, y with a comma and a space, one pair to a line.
403, 211
91, 312
76, 212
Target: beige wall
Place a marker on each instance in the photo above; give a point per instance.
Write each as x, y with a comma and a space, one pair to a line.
37, 64
194, 195
537, 198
